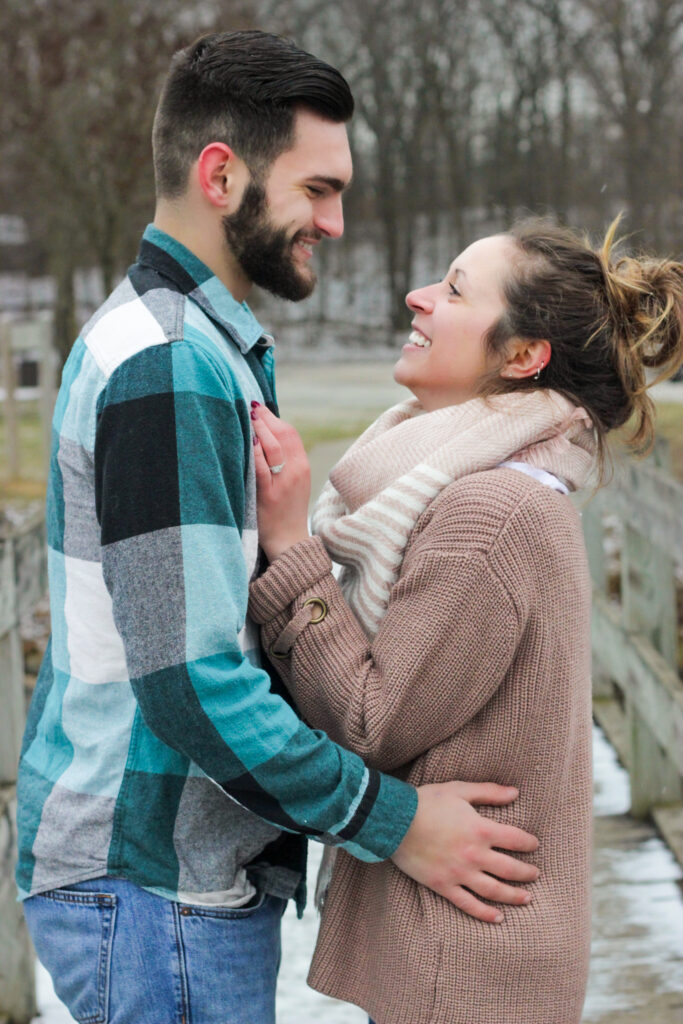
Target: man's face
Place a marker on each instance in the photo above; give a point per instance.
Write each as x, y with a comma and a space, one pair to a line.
274, 230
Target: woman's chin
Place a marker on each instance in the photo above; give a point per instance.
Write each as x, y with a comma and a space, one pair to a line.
402, 374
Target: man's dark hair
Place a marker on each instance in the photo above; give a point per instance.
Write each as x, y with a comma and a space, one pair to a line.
243, 89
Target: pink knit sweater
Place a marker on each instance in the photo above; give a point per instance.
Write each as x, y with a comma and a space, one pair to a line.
480, 671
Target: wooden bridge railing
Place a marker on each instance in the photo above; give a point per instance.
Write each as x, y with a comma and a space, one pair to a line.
23, 581
638, 693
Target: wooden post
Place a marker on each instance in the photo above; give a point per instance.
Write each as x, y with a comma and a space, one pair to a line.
17, 958
11, 668
11, 419
648, 596
594, 536
22, 582
655, 780
46, 383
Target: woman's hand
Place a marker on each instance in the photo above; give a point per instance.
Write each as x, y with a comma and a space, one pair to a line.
283, 496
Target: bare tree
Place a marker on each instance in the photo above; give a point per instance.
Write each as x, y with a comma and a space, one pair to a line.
81, 83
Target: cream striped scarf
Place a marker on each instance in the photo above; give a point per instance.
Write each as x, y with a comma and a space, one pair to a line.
385, 481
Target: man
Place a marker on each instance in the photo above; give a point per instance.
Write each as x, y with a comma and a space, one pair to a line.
165, 785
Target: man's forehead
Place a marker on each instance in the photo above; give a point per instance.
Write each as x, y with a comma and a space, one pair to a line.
323, 147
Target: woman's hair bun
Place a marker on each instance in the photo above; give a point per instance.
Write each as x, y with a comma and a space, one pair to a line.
645, 297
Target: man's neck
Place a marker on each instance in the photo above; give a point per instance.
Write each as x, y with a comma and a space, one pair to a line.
207, 243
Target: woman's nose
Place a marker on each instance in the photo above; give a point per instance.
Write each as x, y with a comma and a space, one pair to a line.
420, 301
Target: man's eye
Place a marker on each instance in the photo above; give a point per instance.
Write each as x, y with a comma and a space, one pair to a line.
454, 290
315, 192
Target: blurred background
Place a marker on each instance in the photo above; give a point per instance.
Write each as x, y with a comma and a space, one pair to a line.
468, 114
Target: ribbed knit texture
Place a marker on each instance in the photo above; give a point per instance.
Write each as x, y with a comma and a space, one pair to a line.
480, 670
386, 480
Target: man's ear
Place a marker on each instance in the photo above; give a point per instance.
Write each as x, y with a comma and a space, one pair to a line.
221, 175
525, 358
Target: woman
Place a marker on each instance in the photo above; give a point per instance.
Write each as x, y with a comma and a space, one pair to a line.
457, 644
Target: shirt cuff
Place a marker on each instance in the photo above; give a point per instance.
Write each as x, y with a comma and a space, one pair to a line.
294, 571
386, 826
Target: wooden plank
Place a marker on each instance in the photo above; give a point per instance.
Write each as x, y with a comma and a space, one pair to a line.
648, 593
12, 704
23, 581
10, 403
48, 392
17, 959
23, 570
30, 564
8, 609
594, 536
669, 821
643, 676
654, 777
611, 718
651, 502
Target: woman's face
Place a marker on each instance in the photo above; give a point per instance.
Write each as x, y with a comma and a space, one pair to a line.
445, 358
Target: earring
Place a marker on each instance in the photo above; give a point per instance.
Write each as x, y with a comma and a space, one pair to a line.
537, 375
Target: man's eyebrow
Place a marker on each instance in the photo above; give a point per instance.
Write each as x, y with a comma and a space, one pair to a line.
336, 184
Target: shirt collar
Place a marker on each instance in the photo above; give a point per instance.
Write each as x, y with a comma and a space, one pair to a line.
172, 259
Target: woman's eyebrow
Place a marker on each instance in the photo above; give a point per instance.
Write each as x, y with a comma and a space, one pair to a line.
455, 272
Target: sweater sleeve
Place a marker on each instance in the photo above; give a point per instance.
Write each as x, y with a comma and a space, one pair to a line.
447, 640
171, 456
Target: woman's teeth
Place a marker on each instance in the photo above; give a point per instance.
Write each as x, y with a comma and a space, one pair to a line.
416, 338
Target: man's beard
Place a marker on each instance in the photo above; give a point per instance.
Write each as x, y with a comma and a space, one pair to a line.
263, 251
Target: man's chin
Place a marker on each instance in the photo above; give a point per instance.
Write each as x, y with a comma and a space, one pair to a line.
293, 288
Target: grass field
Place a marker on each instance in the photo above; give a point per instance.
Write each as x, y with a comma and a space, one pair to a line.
326, 402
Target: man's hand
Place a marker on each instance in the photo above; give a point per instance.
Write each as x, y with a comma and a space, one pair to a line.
450, 846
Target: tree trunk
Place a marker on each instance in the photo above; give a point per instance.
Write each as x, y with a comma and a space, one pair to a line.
65, 307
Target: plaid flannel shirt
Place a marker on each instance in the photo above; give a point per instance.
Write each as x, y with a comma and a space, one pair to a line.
157, 748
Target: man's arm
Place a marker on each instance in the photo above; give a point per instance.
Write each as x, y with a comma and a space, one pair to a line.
172, 448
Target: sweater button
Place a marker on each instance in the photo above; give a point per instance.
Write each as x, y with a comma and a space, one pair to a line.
322, 605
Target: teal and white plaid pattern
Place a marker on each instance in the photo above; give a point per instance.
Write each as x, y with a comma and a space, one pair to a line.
157, 748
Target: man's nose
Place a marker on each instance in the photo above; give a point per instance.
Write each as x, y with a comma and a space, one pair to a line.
329, 216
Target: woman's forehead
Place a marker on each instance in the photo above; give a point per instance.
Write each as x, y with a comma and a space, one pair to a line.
485, 260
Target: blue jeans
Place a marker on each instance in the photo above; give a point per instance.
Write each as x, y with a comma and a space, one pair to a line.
120, 955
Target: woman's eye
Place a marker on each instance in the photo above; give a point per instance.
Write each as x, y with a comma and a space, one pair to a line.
454, 290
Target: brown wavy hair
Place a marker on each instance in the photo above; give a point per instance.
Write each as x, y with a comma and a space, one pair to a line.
609, 319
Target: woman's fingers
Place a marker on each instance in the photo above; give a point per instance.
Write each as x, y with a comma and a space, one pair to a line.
283, 483
280, 431
270, 445
263, 475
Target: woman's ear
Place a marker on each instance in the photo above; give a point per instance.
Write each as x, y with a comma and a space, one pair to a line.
526, 358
